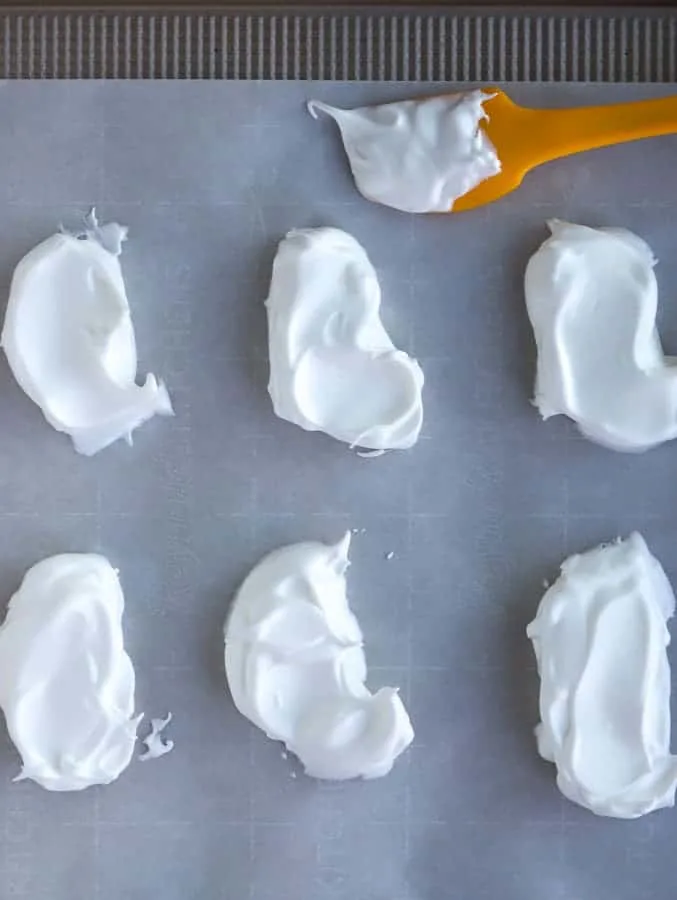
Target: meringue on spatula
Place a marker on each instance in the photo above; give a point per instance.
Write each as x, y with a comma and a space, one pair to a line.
455, 152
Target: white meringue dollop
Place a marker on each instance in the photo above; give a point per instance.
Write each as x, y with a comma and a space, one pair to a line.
66, 682
69, 339
592, 298
417, 156
296, 668
600, 638
333, 367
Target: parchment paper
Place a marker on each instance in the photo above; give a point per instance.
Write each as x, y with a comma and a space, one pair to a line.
209, 177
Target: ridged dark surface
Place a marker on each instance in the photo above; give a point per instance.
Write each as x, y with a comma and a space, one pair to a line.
620, 46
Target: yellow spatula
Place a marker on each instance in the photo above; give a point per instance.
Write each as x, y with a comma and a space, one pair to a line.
525, 138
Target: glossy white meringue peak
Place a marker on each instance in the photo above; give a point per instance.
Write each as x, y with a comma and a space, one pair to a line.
69, 339
600, 638
296, 668
156, 743
417, 156
333, 367
592, 298
66, 682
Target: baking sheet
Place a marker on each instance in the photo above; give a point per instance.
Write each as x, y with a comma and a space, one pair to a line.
209, 177
407, 44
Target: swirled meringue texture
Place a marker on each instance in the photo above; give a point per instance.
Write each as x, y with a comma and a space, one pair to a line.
600, 638
333, 367
592, 298
69, 339
66, 682
417, 156
296, 667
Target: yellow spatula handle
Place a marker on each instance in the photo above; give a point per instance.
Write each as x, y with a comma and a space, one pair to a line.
561, 132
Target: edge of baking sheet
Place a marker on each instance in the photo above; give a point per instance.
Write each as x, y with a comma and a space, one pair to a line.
452, 45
